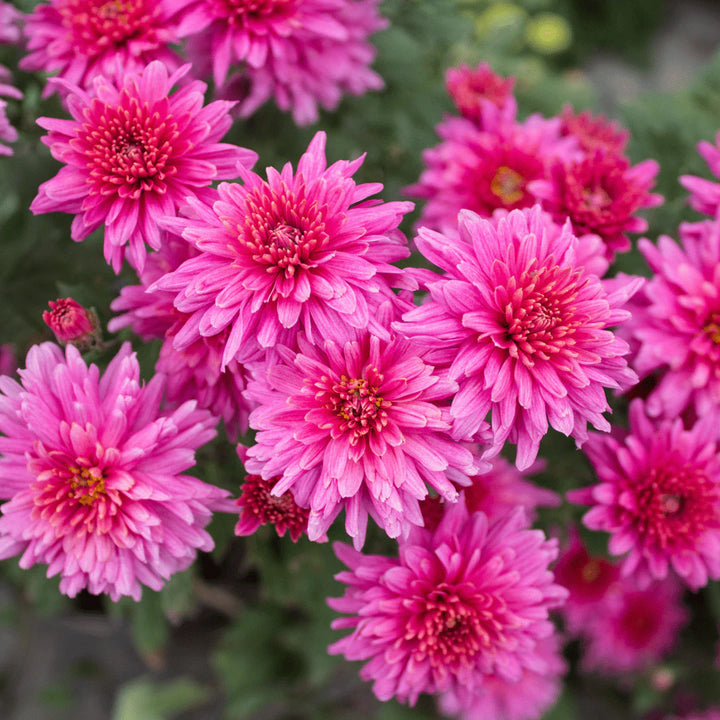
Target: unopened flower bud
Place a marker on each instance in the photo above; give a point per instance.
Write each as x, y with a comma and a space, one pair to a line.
72, 323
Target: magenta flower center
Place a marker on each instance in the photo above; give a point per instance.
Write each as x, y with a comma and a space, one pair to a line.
129, 148
675, 505
282, 231
240, 13
637, 623
358, 404
96, 25
508, 185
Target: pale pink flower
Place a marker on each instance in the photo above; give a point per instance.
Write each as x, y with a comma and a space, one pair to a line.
658, 497
92, 470
133, 154
526, 699
302, 53
360, 426
524, 329
705, 194
462, 604
11, 20
7, 132
80, 40
305, 250
677, 325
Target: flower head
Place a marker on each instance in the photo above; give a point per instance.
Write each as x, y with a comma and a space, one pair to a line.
133, 154
359, 426
302, 250
705, 194
303, 53
658, 497
523, 328
7, 132
594, 132
71, 322
11, 20
92, 471
459, 605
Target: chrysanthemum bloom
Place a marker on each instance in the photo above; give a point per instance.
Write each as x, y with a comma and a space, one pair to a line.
658, 496
195, 372
634, 628
84, 39
360, 426
303, 250
485, 171
594, 132
304, 53
600, 195
524, 329
71, 322
481, 95
133, 154
11, 20
705, 194
92, 471
587, 578
258, 506
527, 699
678, 325
467, 601
7, 132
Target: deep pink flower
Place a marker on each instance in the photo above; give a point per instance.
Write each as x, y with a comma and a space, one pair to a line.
483, 171
594, 132
195, 372
304, 53
526, 699
524, 329
677, 325
481, 95
71, 322
92, 472
133, 154
463, 603
359, 426
634, 628
303, 250
258, 506
658, 496
600, 195
84, 39
705, 194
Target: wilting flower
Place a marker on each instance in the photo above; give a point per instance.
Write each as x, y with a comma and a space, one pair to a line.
84, 39
356, 426
527, 699
677, 326
524, 330
304, 53
658, 496
594, 132
600, 195
71, 322
258, 506
300, 251
705, 194
461, 604
92, 471
133, 154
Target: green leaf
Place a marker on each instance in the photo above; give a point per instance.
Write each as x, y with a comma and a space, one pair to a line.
147, 699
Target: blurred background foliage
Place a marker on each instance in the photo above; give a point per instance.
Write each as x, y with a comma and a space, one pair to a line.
242, 635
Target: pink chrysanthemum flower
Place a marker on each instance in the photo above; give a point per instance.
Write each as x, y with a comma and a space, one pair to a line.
481, 95
705, 194
359, 426
195, 372
658, 497
465, 602
486, 171
594, 132
92, 471
600, 195
7, 132
258, 506
72, 323
677, 326
634, 627
84, 39
11, 20
527, 699
304, 53
524, 329
133, 154
303, 250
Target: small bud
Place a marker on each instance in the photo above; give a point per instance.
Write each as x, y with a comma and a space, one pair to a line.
72, 323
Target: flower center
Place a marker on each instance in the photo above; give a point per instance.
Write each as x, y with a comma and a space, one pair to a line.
359, 405
508, 185
712, 328
241, 13
595, 198
86, 484
591, 571
96, 25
